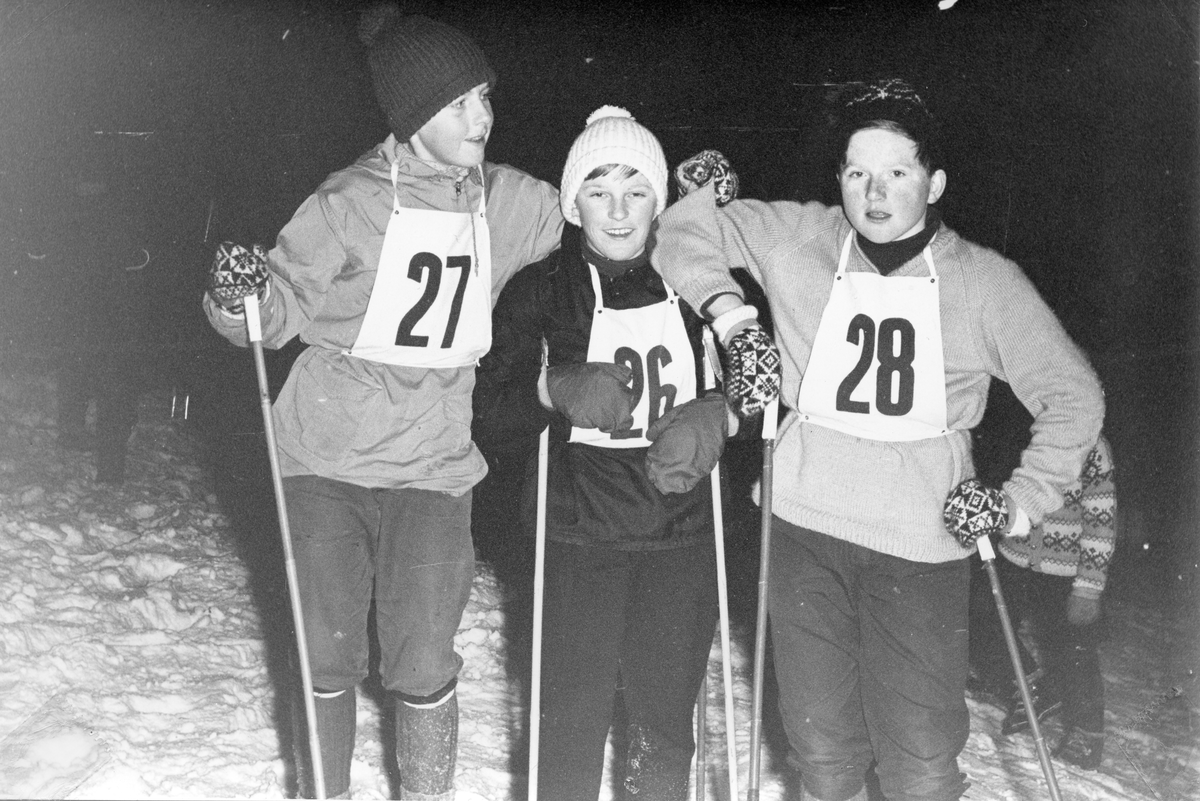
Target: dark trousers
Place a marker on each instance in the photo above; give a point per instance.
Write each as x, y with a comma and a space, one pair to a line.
411, 550
642, 622
1069, 653
871, 659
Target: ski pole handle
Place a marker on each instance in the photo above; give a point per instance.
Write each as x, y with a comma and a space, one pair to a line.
253, 318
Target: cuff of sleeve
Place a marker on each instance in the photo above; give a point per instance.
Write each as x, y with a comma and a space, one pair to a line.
1020, 525
1086, 590
236, 310
725, 323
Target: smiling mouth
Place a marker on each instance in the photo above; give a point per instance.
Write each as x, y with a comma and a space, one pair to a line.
619, 232
878, 216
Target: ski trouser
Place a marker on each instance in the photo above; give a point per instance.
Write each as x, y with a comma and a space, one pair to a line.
638, 621
411, 551
871, 661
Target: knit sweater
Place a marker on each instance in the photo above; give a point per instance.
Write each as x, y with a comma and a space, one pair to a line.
888, 496
1079, 539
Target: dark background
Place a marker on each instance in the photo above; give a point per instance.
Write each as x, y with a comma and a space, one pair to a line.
1071, 144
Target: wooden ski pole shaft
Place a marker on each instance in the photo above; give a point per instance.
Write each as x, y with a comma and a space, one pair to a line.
701, 728
711, 364
254, 329
984, 544
770, 423
539, 584
726, 655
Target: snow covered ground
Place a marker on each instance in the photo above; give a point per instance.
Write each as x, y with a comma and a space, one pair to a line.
144, 632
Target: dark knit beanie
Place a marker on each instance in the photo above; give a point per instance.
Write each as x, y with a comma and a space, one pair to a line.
418, 65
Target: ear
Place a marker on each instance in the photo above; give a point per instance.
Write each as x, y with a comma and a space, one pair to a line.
937, 185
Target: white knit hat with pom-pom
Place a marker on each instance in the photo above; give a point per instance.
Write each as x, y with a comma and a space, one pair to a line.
612, 136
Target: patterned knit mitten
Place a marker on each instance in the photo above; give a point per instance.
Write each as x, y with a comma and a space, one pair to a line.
973, 510
237, 272
705, 166
753, 377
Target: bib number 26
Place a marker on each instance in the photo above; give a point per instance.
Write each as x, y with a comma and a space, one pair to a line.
895, 366
425, 261
647, 380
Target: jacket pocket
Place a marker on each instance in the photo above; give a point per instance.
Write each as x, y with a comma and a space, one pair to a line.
326, 403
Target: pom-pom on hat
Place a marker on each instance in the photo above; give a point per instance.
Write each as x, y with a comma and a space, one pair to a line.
418, 65
612, 136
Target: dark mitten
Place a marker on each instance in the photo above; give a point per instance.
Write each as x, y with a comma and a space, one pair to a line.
706, 166
973, 510
237, 273
753, 377
1082, 610
686, 443
593, 395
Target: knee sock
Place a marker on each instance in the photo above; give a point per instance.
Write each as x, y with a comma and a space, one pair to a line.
336, 724
427, 744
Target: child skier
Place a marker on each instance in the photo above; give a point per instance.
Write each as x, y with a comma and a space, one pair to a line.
1055, 577
630, 581
891, 327
388, 272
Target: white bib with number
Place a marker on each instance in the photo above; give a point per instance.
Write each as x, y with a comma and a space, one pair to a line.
653, 343
876, 370
431, 303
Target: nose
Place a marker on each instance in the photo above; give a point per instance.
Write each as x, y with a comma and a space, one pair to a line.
618, 209
876, 189
480, 111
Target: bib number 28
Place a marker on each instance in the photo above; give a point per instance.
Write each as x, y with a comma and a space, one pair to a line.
894, 378
420, 263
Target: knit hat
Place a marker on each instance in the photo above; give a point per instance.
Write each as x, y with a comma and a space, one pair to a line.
860, 105
612, 136
418, 65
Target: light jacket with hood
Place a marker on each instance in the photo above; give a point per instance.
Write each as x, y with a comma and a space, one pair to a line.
363, 422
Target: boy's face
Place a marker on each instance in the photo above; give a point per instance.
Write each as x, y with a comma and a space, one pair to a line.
615, 213
885, 189
456, 135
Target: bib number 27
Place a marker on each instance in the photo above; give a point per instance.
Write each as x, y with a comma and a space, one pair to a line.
425, 261
894, 378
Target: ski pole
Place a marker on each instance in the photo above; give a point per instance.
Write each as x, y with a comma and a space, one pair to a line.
726, 660
701, 728
539, 583
770, 423
710, 367
988, 555
254, 329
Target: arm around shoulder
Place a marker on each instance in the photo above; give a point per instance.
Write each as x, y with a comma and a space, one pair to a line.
524, 220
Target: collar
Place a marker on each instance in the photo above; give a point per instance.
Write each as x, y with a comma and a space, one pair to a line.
395, 150
890, 256
610, 268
